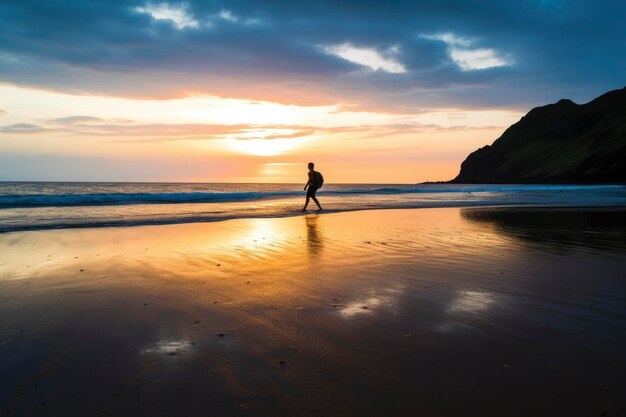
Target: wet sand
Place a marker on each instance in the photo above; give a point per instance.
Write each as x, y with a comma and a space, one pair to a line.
429, 312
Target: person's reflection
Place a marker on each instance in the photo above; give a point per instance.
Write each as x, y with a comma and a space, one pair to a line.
314, 239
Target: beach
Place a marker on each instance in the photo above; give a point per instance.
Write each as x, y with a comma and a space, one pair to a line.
486, 311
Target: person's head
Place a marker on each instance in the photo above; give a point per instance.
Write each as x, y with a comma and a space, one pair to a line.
311, 165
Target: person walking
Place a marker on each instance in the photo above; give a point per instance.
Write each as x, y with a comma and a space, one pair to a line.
315, 182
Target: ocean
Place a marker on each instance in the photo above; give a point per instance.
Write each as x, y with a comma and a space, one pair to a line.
55, 205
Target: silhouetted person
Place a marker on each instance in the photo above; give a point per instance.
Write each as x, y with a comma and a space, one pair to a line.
314, 183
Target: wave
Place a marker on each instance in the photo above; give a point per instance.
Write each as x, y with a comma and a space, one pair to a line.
113, 199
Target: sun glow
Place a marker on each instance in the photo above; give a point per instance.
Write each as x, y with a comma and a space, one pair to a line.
179, 139
263, 147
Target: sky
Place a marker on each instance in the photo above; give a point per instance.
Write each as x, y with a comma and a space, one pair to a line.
251, 91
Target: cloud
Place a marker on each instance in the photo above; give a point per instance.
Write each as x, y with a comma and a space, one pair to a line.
116, 128
22, 128
128, 130
86, 126
75, 120
466, 56
370, 58
2, 112
270, 50
177, 14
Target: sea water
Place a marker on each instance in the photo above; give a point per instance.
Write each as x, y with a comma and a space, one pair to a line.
50, 205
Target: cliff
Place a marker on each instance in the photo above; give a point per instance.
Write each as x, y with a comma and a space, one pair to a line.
562, 142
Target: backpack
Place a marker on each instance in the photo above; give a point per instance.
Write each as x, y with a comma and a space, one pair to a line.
319, 179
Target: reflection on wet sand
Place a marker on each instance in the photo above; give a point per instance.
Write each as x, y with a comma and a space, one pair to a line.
169, 347
378, 300
472, 301
314, 237
395, 313
552, 227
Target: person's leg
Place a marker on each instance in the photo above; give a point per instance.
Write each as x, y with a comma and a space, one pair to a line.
306, 203
312, 194
316, 202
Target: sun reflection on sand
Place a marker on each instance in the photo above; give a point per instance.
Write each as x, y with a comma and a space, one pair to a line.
262, 232
255, 237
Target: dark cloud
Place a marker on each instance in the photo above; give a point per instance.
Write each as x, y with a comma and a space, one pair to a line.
273, 50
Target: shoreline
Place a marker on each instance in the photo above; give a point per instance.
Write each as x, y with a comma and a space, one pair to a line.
299, 213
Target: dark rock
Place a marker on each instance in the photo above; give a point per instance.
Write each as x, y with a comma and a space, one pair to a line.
558, 143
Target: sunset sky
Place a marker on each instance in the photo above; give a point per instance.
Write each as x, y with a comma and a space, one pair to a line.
250, 91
